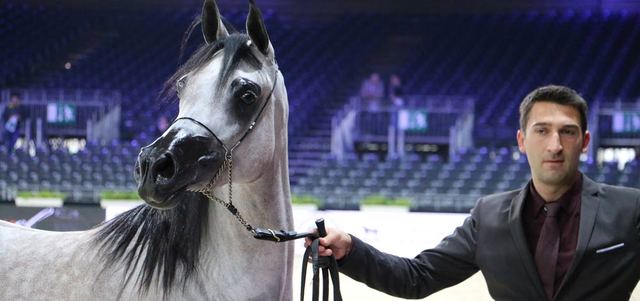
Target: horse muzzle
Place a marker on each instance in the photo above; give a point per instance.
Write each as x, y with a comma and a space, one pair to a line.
180, 159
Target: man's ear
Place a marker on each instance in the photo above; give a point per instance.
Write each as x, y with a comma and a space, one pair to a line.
520, 138
585, 141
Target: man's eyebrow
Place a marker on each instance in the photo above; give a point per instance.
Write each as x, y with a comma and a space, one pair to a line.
542, 124
571, 126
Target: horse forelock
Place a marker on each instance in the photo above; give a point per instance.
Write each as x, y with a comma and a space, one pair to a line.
236, 49
160, 247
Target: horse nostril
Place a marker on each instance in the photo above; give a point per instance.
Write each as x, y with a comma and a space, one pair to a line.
164, 169
137, 171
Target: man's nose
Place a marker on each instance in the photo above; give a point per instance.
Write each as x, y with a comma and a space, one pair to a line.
554, 145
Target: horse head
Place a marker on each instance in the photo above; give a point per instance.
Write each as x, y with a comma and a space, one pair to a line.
231, 98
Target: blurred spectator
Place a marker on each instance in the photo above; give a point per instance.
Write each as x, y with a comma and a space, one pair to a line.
397, 102
395, 91
12, 117
372, 92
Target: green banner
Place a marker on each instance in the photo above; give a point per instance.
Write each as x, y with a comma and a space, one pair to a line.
413, 120
61, 113
626, 122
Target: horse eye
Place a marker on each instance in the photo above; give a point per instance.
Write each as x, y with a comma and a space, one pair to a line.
245, 90
248, 97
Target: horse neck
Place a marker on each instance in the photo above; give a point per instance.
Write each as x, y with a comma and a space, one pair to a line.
264, 203
230, 250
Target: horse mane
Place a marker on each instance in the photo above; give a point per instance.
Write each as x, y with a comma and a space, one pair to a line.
160, 242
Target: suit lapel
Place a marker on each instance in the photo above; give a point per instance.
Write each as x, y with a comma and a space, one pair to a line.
589, 204
520, 240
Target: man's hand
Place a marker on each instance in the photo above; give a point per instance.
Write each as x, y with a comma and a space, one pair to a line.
336, 243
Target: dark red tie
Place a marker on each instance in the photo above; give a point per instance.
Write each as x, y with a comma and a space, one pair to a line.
547, 249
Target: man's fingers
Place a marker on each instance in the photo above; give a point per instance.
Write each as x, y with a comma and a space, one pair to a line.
324, 242
322, 251
307, 242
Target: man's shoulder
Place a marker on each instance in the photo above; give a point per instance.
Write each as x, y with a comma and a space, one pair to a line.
607, 189
500, 196
616, 202
497, 201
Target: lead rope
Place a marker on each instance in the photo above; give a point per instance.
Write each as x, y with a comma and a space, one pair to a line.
327, 264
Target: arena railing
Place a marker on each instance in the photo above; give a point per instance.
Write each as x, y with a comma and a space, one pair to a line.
67, 113
425, 124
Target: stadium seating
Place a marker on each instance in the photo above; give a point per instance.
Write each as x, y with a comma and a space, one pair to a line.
494, 58
433, 185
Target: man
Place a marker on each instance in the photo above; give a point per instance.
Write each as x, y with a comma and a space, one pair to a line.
12, 118
561, 237
372, 92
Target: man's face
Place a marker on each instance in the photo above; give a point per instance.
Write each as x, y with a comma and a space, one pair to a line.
553, 142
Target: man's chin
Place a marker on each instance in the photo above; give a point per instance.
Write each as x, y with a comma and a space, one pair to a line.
556, 178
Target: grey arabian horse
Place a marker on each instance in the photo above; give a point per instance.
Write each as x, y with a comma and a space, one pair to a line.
180, 245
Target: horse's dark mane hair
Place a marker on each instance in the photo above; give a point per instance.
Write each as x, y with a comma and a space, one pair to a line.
159, 242
235, 48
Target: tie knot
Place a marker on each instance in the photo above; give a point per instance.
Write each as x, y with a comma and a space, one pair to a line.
551, 209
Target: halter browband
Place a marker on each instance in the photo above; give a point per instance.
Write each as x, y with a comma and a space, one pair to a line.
251, 126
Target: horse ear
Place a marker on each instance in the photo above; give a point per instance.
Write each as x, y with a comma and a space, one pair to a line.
212, 26
255, 28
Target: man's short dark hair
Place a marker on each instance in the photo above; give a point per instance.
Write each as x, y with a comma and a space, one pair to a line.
556, 94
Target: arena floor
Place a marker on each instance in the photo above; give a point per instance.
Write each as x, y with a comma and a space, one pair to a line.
396, 231
390, 229
473, 289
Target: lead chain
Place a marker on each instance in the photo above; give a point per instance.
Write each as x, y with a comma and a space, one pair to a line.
229, 161
208, 192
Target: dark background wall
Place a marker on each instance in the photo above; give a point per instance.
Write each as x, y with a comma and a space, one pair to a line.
304, 7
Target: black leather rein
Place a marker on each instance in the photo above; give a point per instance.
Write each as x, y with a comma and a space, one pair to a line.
328, 265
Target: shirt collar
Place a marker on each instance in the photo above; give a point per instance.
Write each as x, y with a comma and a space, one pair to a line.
568, 201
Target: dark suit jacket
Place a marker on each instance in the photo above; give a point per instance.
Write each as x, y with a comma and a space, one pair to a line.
606, 265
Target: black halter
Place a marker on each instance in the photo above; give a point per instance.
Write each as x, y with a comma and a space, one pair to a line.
251, 126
